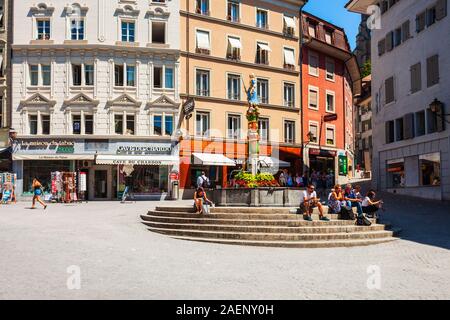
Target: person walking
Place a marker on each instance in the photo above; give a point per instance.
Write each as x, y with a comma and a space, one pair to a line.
203, 181
37, 193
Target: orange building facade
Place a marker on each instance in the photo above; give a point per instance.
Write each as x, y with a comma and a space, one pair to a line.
223, 43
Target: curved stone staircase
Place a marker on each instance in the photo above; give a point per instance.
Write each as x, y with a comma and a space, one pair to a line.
272, 227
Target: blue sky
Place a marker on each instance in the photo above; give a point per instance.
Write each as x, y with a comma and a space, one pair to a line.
335, 12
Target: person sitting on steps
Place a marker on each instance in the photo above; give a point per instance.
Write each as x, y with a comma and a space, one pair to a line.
202, 202
311, 201
370, 206
352, 199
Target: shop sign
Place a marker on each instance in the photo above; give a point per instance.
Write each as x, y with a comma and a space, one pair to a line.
46, 144
330, 117
174, 176
143, 150
188, 108
343, 165
323, 153
137, 162
65, 149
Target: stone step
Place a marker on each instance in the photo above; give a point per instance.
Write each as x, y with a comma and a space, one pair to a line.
294, 222
257, 216
246, 210
292, 244
273, 236
266, 229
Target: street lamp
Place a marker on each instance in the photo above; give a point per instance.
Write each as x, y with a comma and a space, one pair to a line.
437, 107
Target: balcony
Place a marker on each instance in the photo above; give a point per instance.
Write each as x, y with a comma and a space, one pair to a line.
202, 12
203, 51
289, 67
234, 57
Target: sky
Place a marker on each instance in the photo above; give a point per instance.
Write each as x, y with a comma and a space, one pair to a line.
334, 11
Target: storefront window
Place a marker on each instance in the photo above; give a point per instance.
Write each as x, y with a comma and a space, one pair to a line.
430, 169
396, 173
41, 170
148, 179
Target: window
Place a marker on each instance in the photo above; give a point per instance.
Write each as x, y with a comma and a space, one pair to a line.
289, 26
289, 95
435, 121
330, 65
263, 126
330, 136
314, 132
430, 16
399, 129
416, 77
202, 82
330, 102
76, 75
234, 127
289, 131
43, 29
421, 21
157, 125
420, 123
128, 31
89, 74
263, 90
233, 11
203, 42
169, 80
88, 124
45, 120
313, 98
202, 124
34, 75
262, 19
234, 87
76, 124
312, 29
169, 125
158, 32
77, 29
432, 71
131, 75
396, 173
234, 48
313, 65
1, 111
118, 75
125, 75
381, 47
430, 169
289, 58
130, 124
390, 133
406, 33
157, 77
33, 123
389, 90
262, 53
46, 75
329, 36
203, 7
118, 123
397, 37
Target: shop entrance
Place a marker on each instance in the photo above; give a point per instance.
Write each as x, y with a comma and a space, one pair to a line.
101, 183
322, 164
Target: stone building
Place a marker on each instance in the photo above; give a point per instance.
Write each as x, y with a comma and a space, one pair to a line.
96, 89
411, 133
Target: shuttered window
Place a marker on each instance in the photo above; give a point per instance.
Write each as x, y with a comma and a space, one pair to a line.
382, 47
408, 126
389, 88
406, 34
441, 9
416, 78
420, 21
389, 41
432, 70
420, 123
390, 132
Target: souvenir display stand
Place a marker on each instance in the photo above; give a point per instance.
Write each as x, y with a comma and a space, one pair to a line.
8, 187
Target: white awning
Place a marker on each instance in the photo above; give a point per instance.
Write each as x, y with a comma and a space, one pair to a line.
264, 47
269, 162
290, 22
150, 160
18, 156
209, 159
235, 43
289, 57
203, 40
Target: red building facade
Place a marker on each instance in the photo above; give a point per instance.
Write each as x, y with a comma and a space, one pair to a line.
330, 78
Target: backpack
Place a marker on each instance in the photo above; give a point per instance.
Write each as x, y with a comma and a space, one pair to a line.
205, 183
363, 221
347, 214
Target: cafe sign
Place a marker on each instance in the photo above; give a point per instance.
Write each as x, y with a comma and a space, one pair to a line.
144, 150
47, 143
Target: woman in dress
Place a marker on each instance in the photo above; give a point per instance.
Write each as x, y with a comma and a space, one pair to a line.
336, 200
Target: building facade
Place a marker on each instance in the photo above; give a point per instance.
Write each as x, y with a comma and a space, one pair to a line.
329, 75
411, 135
223, 43
96, 90
363, 130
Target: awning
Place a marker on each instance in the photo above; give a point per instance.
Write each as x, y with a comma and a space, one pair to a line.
235, 43
18, 156
264, 47
290, 22
273, 162
209, 159
148, 160
203, 40
289, 57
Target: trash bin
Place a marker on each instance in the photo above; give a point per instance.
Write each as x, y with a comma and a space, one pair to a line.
175, 190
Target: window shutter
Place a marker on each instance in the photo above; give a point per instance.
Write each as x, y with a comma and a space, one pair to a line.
313, 98
421, 21
408, 126
441, 9
389, 84
416, 77
381, 47
389, 41
440, 125
406, 34
433, 70
388, 132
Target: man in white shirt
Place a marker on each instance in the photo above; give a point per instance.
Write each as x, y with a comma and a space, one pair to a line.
203, 181
311, 201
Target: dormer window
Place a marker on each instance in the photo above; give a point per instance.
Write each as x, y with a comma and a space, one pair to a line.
75, 15
128, 31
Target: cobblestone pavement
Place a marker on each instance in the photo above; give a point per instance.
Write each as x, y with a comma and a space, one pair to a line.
119, 259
